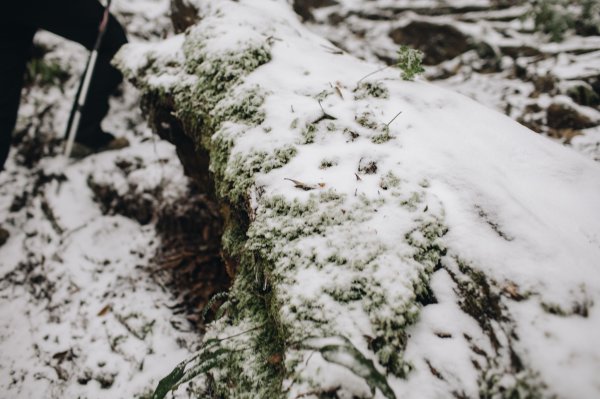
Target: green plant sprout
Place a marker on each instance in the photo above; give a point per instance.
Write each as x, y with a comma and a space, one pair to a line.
410, 61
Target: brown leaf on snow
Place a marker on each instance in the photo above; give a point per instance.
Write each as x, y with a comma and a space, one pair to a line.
513, 291
104, 310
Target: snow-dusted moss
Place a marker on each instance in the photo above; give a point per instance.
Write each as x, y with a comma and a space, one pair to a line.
366, 90
241, 170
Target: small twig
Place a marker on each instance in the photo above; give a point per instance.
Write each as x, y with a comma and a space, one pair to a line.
333, 50
47, 210
372, 73
321, 105
323, 116
124, 323
393, 119
242, 333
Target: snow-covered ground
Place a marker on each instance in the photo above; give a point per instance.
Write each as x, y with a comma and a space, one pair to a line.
454, 248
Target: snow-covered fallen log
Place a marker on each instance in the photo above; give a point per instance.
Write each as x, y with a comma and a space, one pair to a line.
388, 238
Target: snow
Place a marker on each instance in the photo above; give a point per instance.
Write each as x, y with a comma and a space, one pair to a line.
384, 261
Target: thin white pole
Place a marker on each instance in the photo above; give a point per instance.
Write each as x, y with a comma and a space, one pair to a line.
87, 79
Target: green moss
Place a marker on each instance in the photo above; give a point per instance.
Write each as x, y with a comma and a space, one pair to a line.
321, 96
391, 336
233, 239
240, 171
495, 383
328, 163
366, 119
337, 259
389, 180
246, 109
281, 222
584, 94
216, 76
426, 241
382, 137
244, 366
371, 89
41, 72
309, 133
355, 292
412, 203
552, 17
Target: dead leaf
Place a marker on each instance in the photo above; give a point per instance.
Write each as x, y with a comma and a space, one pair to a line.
513, 291
104, 310
275, 359
61, 355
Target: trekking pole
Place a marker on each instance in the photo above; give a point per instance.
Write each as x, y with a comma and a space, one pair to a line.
84, 85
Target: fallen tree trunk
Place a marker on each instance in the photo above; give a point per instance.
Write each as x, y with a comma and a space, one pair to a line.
386, 238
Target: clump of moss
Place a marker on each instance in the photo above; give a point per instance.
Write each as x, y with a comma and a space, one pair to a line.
245, 359
413, 201
366, 119
328, 163
354, 292
292, 220
294, 123
383, 137
371, 89
391, 336
426, 241
216, 75
556, 17
246, 109
41, 72
551, 17
241, 170
309, 133
495, 381
322, 95
580, 308
389, 180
